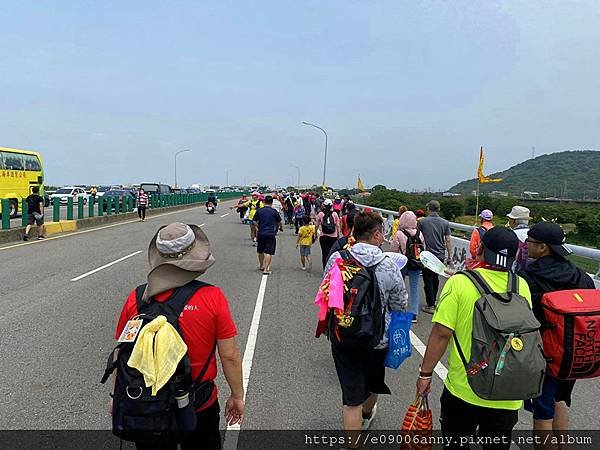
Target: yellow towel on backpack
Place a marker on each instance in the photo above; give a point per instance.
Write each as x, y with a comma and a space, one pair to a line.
157, 352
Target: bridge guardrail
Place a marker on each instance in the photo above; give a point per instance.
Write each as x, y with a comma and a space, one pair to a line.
96, 206
461, 245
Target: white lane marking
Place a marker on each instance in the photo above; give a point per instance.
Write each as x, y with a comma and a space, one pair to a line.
91, 272
417, 343
224, 215
250, 346
94, 229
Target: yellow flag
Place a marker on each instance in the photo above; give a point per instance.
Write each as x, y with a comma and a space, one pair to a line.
359, 185
324, 187
482, 178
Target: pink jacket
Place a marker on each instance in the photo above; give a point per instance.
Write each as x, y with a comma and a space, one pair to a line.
408, 223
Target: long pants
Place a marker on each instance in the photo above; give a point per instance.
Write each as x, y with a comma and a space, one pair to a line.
141, 212
431, 284
462, 421
298, 223
413, 298
326, 244
290, 216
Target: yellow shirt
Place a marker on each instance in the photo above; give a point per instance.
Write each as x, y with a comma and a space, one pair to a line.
253, 205
305, 234
455, 311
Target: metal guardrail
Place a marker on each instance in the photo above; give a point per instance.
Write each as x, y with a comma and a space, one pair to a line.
578, 250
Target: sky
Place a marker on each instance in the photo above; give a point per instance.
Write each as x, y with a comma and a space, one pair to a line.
109, 91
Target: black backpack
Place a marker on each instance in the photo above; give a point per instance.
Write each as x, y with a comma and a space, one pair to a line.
362, 322
136, 414
328, 224
414, 247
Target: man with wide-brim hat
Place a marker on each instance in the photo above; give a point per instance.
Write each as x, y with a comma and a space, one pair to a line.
178, 254
518, 221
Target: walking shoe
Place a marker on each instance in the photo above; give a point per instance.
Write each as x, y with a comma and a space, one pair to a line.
267, 272
25, 237
303, 267
414, 319
367, 420
428, 309
40, 238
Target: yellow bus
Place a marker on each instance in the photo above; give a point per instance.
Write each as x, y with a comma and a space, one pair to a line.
20, 170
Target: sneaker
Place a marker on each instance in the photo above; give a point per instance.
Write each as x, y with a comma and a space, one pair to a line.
41, 238
366, 422
25, 237
266, 272
414, 319
428, 309
303, 267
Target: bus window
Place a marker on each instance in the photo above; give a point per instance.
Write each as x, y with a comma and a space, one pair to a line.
2, 167
32, 163
13, 161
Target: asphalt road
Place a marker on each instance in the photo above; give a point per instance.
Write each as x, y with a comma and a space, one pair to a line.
57, 333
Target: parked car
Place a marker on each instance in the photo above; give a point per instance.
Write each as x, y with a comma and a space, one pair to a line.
118, 194
156, 188
70, 191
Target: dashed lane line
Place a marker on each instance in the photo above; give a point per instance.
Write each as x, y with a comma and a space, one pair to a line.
105, 266
224, 215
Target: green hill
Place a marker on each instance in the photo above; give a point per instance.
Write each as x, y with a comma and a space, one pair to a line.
579, 171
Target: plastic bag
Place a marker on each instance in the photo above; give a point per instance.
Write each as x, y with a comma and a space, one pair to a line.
399, 347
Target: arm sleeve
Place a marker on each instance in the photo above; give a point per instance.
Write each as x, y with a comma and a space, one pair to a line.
447, 231
397, 294
225, 326
446, 312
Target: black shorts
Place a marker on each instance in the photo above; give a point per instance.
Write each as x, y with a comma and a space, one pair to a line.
361, 372
266, 244
31, 220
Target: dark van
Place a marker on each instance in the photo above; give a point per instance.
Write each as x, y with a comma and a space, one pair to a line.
156, 188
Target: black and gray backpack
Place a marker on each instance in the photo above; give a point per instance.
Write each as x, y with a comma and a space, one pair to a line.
507, 360
136, 414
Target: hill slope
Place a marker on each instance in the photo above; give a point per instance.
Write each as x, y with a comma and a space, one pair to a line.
547, 175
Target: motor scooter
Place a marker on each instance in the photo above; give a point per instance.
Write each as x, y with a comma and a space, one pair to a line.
211, 208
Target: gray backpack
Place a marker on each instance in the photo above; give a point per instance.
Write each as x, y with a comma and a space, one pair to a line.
507, 360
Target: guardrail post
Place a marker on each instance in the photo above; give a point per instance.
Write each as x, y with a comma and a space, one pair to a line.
69, 208
129, 204
56, 209
5, 214
109, 203
101, 202
24, 213
91, 202
80, 208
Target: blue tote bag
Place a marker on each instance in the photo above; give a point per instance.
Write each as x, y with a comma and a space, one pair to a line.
399, 347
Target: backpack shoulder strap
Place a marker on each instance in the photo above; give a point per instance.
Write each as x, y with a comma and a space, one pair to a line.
206, 364
513, 283
171, 308
478, 281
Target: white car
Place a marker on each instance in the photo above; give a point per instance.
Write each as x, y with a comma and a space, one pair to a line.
69, 191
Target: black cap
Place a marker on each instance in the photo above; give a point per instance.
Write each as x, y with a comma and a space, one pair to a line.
552, 235
500, 247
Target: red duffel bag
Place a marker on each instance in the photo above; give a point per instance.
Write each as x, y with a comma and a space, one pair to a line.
572, 337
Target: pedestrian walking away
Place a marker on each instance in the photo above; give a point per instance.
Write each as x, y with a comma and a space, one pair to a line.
306, 238
253, 205
35, 213
142, 204
184, 322
471, 404
485, 224
436, 232
550, 271
268, 221
409, 241
518, 221
359, 364
328, 224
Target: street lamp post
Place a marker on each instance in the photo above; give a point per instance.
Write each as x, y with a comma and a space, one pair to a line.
325, 160
298, 169
177, 153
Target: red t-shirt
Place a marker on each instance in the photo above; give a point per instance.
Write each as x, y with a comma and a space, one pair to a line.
205, 318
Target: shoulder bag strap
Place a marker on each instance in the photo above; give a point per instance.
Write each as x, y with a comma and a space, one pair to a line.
459, 349
478, 281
